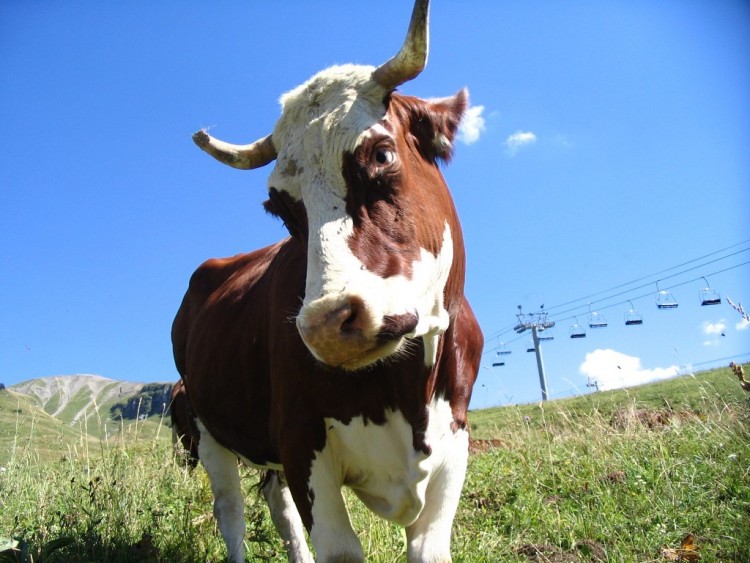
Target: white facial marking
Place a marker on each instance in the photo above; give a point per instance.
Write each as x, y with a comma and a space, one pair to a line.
321, 119
329, 115
338, 273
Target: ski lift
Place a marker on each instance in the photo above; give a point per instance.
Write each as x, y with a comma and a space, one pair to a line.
633, 317
709, 296
531, 346
503, 349
577, 331
596, 320
545, 336
664, 299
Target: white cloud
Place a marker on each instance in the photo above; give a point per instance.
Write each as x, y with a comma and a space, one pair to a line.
517, 141
472, 125
714, 328
614, 370
744, 324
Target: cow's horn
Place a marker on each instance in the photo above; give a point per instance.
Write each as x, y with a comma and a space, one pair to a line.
412, 58
254, 155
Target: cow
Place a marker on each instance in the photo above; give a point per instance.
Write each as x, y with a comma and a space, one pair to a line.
344, 354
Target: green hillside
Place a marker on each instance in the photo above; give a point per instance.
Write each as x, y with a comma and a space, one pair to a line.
673, 399
90, 400
27, 429
53, 416
81, 406
653, 473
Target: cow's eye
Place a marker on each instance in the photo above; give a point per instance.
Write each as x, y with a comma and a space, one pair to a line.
383, 156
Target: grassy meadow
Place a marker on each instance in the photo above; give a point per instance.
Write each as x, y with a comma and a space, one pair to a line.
655, 473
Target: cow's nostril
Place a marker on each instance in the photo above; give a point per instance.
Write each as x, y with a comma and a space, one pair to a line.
349, 323
349, 318
396, 326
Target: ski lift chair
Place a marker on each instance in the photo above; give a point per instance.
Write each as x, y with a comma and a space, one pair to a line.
596, 320
664, 299
577, 331
546, 336
709, 296
633, 317
503, 350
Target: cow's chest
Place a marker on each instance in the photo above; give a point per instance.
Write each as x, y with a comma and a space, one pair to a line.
379, 462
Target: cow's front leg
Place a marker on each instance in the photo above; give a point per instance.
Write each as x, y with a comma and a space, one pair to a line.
331, 532
429, 537
221, 466
286, 517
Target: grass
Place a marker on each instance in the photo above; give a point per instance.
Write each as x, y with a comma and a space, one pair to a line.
585, 479
625, 493
25, 427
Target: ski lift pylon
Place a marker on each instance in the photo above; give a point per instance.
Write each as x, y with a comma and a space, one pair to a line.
709, 296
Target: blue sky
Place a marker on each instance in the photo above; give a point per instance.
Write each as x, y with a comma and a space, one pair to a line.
607, 142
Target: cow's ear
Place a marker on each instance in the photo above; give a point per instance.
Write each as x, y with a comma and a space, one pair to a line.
434, 123
445, 115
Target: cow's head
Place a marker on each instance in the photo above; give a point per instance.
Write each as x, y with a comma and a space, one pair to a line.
356, 181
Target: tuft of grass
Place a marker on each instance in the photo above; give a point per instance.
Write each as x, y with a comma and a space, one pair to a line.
593, 479
132, 500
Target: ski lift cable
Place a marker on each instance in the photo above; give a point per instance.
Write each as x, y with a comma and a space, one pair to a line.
657, 273
651, 292
509, 328
657, 281
620, 303
603, 299
649, 276
506, 343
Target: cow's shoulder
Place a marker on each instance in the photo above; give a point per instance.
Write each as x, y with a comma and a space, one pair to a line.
459, 363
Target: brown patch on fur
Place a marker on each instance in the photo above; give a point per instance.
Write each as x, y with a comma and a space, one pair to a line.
402, 206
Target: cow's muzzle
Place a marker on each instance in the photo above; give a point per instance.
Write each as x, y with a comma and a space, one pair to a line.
345, 333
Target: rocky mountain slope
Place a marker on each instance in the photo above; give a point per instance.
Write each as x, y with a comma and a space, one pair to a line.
74, 399
49, 417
